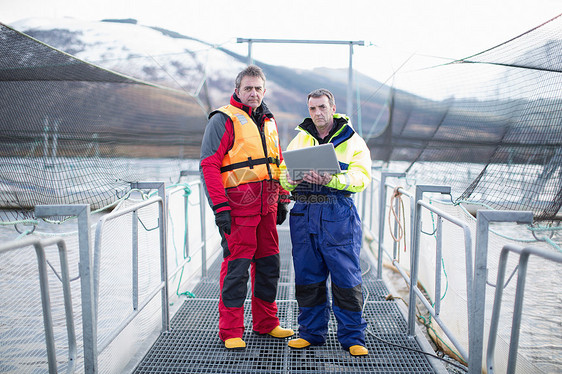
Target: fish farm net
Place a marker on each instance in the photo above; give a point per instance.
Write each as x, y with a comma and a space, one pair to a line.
489, 126
75, 133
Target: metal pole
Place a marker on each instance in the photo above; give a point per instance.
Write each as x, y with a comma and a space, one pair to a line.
46, 304
382, 210
438, 261
349, 109
162, 220
476, 333
135, 240
415, 253
82, 211
250, 59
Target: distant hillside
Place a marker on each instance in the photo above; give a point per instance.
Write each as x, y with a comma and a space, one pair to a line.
167, 58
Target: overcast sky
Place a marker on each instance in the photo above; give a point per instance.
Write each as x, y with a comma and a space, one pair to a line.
393, 29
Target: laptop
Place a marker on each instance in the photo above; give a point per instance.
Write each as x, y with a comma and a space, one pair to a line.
320, 158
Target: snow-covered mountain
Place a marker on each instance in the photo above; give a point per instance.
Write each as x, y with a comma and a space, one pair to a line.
167, 58
141, 52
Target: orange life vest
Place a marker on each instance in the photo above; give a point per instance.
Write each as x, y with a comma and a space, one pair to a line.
249, 159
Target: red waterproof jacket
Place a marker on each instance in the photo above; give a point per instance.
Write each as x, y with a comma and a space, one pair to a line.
246, 199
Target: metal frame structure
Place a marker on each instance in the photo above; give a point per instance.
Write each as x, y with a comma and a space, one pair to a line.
350, 43
477, 311
524, 254
476, 273
162, 288
64, 277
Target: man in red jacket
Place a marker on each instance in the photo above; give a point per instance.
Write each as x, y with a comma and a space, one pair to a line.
240, 157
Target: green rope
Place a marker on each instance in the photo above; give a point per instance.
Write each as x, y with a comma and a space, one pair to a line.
24, 221
187, 192
446, 278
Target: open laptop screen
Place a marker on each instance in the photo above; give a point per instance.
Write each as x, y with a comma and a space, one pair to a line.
321, 158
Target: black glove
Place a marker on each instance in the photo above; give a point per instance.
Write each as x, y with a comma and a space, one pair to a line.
223, 221
281, 213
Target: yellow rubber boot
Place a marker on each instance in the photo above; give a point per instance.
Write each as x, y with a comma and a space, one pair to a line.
235, 344
280, 332
358, 350
298, 343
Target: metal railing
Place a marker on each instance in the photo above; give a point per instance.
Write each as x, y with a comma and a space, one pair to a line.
161, 288
416, 205
477, 310
435, 311
524, 254
475, 272
90, 253
64, 277
89, 268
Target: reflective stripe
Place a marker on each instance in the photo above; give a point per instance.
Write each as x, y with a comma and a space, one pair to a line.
347, 181
241, 118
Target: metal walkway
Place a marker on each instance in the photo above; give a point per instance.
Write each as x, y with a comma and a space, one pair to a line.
192, 345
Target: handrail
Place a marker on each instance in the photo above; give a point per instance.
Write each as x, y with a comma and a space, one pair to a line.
475, 269
468, 260
524, 254
39, 245
415, 216
162, 286
477, 310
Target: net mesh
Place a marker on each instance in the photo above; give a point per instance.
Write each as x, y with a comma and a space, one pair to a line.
490, 124
72, 132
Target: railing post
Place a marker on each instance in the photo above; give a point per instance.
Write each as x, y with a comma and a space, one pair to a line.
135, 258
382, 210
476, 333
372, 188
46, 304
415, 253
202, 202
89, 327
162, 219
438, 262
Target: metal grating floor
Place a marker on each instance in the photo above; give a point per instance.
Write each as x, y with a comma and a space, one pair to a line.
192, 345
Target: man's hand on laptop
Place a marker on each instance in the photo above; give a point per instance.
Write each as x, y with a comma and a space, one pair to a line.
317, 178
291, 181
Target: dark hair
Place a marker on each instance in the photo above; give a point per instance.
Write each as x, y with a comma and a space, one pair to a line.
322, 92
249, 71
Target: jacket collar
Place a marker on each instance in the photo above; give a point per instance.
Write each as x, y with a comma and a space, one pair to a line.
309, 126
257, 113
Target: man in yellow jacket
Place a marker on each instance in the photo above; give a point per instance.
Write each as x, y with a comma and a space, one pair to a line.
326, 230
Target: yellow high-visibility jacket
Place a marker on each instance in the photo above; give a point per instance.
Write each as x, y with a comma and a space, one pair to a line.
351, 151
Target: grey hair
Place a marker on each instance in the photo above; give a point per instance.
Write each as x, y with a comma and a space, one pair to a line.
249, 71
322, 92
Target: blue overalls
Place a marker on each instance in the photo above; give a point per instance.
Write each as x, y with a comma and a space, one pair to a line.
326, 237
